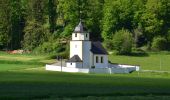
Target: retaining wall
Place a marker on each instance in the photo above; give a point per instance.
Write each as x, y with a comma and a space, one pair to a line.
90, 70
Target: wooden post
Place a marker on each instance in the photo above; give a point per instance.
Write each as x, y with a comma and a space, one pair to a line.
61, 62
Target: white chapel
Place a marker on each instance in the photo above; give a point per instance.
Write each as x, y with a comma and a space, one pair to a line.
88, 57
85, 53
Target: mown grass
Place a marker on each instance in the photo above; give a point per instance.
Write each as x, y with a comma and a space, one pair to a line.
45, 84
151, 61
27, 79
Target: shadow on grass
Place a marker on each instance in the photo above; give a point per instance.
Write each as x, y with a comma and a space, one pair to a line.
139, 54
136, 54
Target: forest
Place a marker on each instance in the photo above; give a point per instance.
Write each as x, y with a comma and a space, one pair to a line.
45, 26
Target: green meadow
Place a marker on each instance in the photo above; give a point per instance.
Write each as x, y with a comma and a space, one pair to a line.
24, 77
151, 61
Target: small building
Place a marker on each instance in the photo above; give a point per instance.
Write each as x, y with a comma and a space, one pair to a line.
88, 56
85, 53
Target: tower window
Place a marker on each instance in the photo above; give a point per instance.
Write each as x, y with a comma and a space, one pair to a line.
76, 35
97, 59
86, 35
75, 46
101, 59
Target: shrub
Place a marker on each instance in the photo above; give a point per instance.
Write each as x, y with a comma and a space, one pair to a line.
108, 44
49, 47
35, 34
122, 42
159, 43
168, 38
64, 55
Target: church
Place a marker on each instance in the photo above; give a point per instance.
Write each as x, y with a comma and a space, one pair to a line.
88, 56
85, 53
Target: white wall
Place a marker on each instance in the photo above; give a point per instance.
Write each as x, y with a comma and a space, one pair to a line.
76, 48
99, 70
86, 54
53, 68
74, 64
82, 49
80, 36
69, 64
129, 67
66, 69
99, 64
90, 70
91, 59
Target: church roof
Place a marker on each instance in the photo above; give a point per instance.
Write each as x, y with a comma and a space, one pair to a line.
97, 48
79, 28
75, 58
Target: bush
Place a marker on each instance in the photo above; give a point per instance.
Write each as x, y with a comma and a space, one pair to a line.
35, 34
49, 47
64, 55
168, 38
108, 44
159, 43
122, 42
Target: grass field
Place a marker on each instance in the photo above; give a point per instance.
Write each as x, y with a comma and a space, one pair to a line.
24, 77
153, 61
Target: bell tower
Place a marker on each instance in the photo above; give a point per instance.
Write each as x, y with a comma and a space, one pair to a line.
80, 33
80, 44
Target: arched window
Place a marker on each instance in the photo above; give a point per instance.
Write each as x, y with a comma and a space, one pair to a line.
86, 35
97, 59
76, 35
101, 59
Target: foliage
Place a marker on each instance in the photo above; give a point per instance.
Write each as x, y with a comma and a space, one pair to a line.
118, 14
19, 19
36, 32
122, 42
49, 47
52, 4
159, 43
109, 44
35, 35
64, 55
68, 15
11, 23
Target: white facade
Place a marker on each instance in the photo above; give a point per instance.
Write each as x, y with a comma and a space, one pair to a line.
81, 46
75, 64
86, 54
100, 61
76, 48
80, 36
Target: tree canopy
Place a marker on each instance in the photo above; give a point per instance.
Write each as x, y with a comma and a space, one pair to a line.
27, 24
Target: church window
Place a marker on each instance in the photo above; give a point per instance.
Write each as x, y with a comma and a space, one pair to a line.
97, 59
101, 59
86, 35
70, 63
76, 35
75, 46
